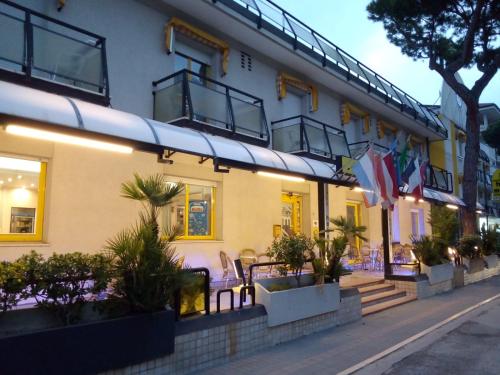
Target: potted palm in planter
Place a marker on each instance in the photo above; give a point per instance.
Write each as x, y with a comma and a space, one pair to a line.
469, 248
489, 240
291, 298
432, 253
140, 271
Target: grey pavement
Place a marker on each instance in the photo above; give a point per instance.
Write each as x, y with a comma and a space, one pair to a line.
472, 348
337, 349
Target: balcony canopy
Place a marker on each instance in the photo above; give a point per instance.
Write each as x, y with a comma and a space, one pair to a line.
21, 105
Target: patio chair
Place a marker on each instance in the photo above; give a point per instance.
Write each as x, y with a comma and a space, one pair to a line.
365, 257
225, 261
248, 256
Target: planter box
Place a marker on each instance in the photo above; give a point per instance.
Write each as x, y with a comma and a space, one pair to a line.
439, 273
474, 265
90, 348
298, 303
491, 261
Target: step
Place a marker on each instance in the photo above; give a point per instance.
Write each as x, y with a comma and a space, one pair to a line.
365, 284
374, 289
381, 297
386, 305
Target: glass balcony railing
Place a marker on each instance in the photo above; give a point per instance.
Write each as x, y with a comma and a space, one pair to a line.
43, 52
304, 135
185, 98
275, 20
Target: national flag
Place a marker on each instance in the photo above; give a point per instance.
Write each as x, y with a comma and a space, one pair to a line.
365, 173
389, 180
414, 176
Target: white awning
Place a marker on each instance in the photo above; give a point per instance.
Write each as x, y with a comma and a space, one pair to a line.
442, 197
72, 114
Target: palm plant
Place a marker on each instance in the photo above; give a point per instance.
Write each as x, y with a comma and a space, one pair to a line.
147, 271
347, 228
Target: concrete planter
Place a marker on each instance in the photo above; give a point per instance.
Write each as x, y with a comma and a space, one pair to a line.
474, 265
491, 261
297, 303
439, 273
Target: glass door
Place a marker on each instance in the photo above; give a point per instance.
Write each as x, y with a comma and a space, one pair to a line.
291, 213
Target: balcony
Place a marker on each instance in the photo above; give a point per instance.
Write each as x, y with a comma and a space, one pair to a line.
188, 99
305, 136
47, 54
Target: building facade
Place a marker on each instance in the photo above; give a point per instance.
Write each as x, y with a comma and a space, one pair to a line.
256, 113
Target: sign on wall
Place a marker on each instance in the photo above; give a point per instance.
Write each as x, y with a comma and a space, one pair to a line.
495, 182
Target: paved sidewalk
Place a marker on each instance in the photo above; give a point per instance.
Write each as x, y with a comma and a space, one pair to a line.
337, 349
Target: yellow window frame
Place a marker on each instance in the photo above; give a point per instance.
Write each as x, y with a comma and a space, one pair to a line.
347, 109
186, 236
283, 80
39, 215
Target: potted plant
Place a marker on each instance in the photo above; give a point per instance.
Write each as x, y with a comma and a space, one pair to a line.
432, 253
291, 298
469, 248
141, 273
489, 240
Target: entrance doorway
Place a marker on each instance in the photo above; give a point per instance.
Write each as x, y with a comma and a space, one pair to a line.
291, 213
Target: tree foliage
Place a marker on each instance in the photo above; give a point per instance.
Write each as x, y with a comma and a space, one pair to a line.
492, 135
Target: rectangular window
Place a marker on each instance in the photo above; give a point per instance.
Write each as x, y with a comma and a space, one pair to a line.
22, 199
415, 224
193, 212
183, 61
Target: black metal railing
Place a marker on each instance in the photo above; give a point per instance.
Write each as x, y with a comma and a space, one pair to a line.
304, 135
43, 52
189, 99
275, 20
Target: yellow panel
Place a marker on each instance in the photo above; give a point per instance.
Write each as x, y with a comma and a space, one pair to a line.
437, 154
40, 214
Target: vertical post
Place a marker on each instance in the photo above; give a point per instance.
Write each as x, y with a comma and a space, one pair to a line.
28, 30
385, 241
322, 208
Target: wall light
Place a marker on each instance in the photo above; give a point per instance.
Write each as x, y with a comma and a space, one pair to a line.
410, 198
358, 189
19, 165
421, 200
452, 206
69, 139
479, 212
281, 176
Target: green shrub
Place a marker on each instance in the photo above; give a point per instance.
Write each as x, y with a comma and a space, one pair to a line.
294, 250
62, 283
444, 223
12, 284
430, 251
470, 246
489, 240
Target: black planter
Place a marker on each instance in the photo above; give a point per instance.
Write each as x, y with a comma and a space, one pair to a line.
89, 348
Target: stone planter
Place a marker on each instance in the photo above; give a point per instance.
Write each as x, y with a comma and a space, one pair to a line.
438, 273
297, 303
474, 265
491, 261
89, 348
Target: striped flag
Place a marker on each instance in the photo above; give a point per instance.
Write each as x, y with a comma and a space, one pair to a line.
414, 176
388, 182
364, 170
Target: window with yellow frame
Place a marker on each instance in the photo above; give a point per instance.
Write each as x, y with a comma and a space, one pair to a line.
22, 199
193, 212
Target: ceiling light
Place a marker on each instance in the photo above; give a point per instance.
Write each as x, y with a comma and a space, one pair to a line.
452, 206
421, 200
69, 139
1, 182
32, 185
358, 189
19, 164
410, 198
9, 179
19, 176
479, 212
281, 176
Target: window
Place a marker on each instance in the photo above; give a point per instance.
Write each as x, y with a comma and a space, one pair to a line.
183, 61
193, 212
460, 147
417, 223
291, 213
22, 199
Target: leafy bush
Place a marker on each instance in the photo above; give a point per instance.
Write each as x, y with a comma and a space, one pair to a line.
470, 246
62, 283
489, 240
12, 284
430, 251
444, 223
294, 250
144, 265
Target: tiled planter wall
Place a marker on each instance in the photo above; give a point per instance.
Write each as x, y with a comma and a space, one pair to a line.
470, 278
204, 348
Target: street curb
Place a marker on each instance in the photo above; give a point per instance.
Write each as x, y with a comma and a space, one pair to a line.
404, 343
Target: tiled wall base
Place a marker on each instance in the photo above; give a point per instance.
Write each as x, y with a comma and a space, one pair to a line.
470, 278
206, 348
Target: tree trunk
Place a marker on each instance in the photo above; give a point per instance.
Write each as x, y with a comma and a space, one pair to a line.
469, 185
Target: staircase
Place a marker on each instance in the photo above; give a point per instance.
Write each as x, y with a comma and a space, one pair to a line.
378, 296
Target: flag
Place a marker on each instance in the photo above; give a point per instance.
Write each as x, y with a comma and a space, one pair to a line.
414, 176
418, 193
389, 181
365, 173
402, 160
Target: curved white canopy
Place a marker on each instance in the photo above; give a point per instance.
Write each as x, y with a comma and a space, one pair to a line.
47, 108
